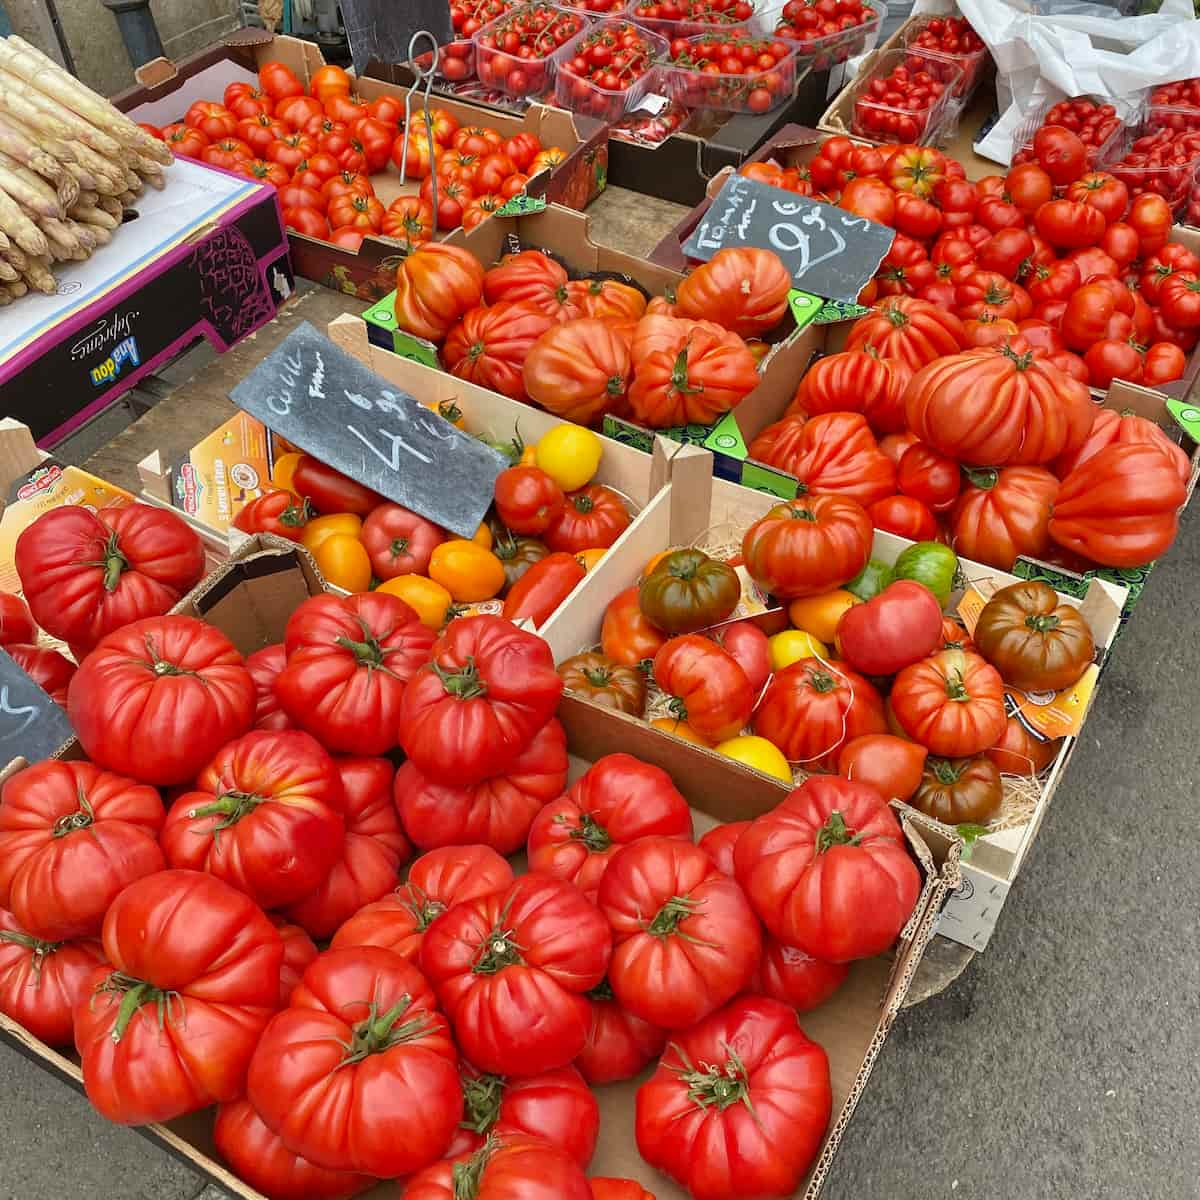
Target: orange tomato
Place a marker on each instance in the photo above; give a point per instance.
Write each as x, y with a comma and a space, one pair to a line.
448, 411
467, 571
680, 729
321, 528
284, 469
819, 615
427, 598
483, 536
587, 559
344, 562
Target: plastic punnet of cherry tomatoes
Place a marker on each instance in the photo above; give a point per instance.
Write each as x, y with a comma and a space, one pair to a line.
828, 31
511, 53
681, 18
600, 73
1092, 122
953, 37
725, 71
904, 103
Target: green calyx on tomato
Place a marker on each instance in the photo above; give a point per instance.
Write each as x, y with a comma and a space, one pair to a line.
482, 1095
379, 1032
399, 547
450, 411
835, 832
716, 1086
464, 684
137, 992
81, 818
1020, 362
468, 1176
113, 562
497, 951
679, 374
368, 653
944, 770
424, 909
41, 950
297, 515
593, 835
956, 689
582, 503
1042, 622
233, 806
821, 681
602, 990
984, 478
667, 920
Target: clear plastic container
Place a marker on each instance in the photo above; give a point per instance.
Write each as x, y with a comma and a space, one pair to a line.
972, 65
672, 28
1112, 147
456, 60
753, 93
824, 52
524, 76
1175, 183
610, 105
1182, 118
596, 9
651, 129
876, 121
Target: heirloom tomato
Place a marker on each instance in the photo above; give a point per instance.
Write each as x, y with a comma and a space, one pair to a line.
707, 687
469, 713
282, 513
891, 765
1151, 216
358, 1072
719, 841
167, 1026
497, 811
828, 871
157, 699
298, 951
330, 491
931, 564
578, 371
904, 516
1020, 752
855, 381
489, 346
606, 298
893, 629
279, 81
1060, 153
467, 570
570, 455
618, 1044
1123, 428
685, 939
687, 590
744, 289
87, 573
399, 541
529, 276
1004, 514
543, 587
437, 881
16, 621
594, 677
794, 978
952, 703
911, 330
509, 1167
435, 285
593, 517
626, 635
739, 1105
72, 836
618, 800
498, 961
1029, 186
750, 649
959, 790
348, 660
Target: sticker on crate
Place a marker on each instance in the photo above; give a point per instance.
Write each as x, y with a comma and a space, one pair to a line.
326, 402
829, 251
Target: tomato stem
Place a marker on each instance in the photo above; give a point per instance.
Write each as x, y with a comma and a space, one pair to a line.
114, 563
41, 950
497, 951
835, 832
672, 914
233, 806
81, 818
399, 547
592, 834
713, 1086
368, 653
468, 1176
136, 993
956, 689
984, 478
296, 515
482, 1094
378, 1032
424, 908
679, 373
945, 771
1042, 622
464, 684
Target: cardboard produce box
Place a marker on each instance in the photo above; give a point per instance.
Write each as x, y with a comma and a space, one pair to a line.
204, 257
250, 600
167, 89
696, 510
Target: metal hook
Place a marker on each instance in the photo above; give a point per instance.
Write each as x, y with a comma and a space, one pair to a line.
424, 82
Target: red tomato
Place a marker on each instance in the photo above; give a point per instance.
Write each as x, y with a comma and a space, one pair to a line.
750, 649
811, 708
504, 1170
828, 871
739, 1105
543, 587
264, 666
475, 707
330, 491
399, 541
358, 1072
951, 702
1029, 186
190, 143
215, 121
87, 573
1107, 194
796, 979
522, 149
708, 689
265, 817
618, 1044
1151, 216
170, 1026
261, 1159
1060, 153
298, 952
1003, 514
718, 843
556, 1106
527, 499
1069, 225
592, 518
16, 621
684, 937
310, 222
1111, 359
71, 837
536, 947
1163, 363
892, 630
495, 812
618, 800
157, 698
891, 765
280, 512
279, 81
904, 516
436, 881
348, 660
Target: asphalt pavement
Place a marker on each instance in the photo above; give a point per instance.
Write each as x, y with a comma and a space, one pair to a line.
1064, 1063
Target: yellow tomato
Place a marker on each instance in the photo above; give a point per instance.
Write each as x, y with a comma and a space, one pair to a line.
483, 536
587, 559
680, 729
569, 454
448, 410
819, 615
344, 562
320, 528
792, 645
758, 753
467, 571
284, 469
428, 599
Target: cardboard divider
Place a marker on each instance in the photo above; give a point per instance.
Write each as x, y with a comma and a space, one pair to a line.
369, 272
250, 599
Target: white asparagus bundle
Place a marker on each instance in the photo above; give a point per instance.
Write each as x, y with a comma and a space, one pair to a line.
30, 64
17, 289
78, 129
5, 244
111, 205
40, 279
15, 257
87, 198
83, 177
101, 233
89, 214
107, 176
8, 273
66, 234
151, 172
17, 143
18, 226
30, 189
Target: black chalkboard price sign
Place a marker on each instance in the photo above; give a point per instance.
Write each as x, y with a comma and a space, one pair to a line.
32, 726
383, 29
829, 251
315, 394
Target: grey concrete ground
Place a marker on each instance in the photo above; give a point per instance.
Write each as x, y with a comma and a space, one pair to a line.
1064, 1064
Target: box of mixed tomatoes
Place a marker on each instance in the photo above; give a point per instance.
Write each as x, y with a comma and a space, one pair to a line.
250, 601
363, 219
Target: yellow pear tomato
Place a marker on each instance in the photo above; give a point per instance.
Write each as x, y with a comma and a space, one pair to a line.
467, 571
680, 729
570, 455
284, 469
819, 615
344, 562
792, 645
758, 753
320, 528
483, 536
428, 599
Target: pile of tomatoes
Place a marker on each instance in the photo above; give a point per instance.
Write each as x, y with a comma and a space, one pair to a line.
224, 869
826, 26
581, 348
320, 151
1176, 106
1162, 161
512, 55
726, 71
680, 13
607, 62
953, 37
905, 104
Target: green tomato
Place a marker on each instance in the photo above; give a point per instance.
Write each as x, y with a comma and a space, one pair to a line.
930, 564
871, 580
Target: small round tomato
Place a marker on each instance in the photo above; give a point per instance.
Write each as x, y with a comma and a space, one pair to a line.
467, 571
528, 500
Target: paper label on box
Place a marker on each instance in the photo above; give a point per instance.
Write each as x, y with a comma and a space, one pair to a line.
839, 310
804, 305
972, 910
522, 205
1187, 417
754, 601
763, 479
417, 349
652, 103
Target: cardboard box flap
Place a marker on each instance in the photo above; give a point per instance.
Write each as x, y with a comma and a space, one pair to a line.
18, 454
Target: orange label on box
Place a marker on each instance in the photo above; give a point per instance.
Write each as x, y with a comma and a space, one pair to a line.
49, 486
1051, 714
